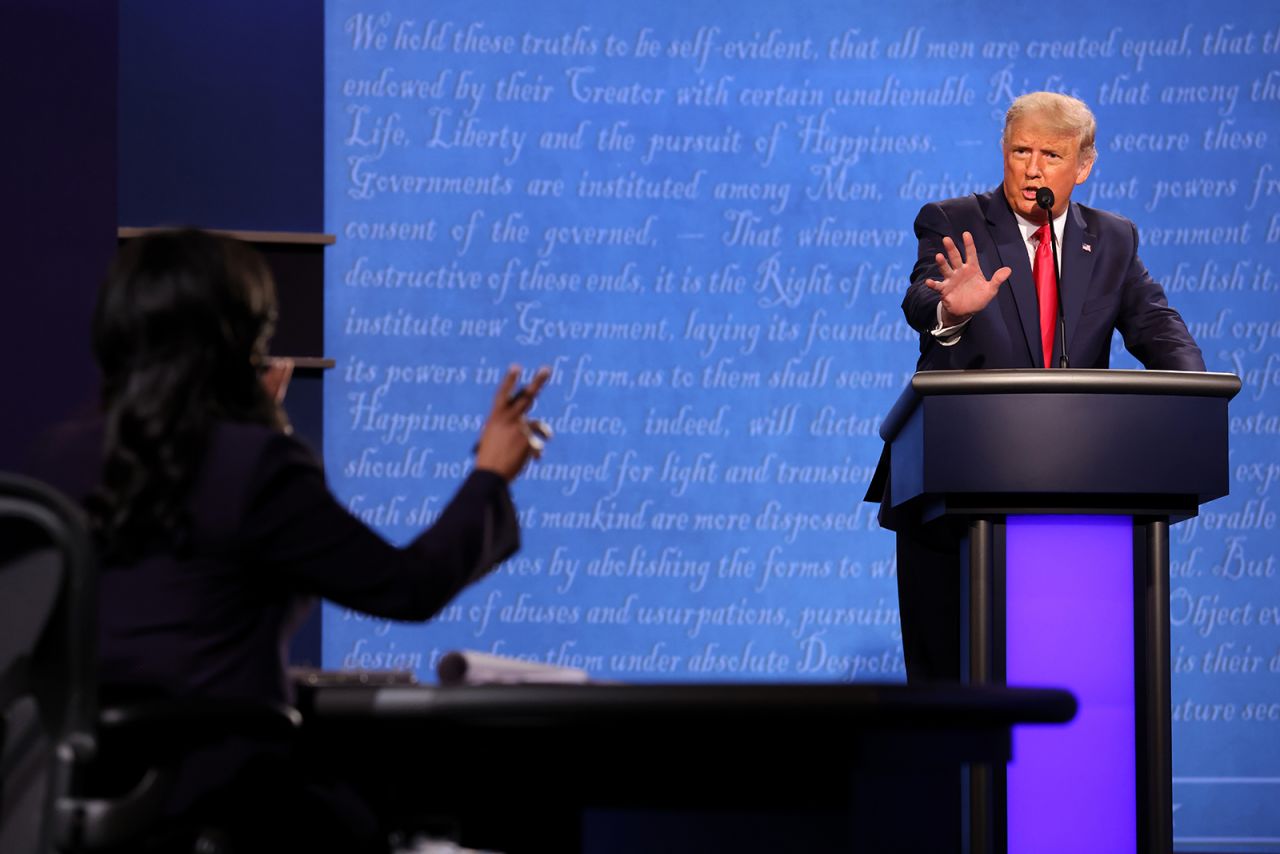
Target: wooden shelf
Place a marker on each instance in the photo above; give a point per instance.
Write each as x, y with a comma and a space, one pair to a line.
315, 363
299, 238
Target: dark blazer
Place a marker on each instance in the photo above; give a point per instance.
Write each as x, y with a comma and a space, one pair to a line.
267, 537
1104, 287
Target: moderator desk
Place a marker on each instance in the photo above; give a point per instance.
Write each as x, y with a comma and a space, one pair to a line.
853, 766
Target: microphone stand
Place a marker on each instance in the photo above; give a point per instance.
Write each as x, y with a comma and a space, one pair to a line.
1057, 277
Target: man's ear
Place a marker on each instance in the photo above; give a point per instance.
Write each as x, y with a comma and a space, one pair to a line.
1085, 168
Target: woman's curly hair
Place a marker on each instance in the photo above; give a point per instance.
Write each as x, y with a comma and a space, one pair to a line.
180, 335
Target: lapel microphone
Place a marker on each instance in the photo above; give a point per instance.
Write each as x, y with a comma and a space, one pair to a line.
1044, 199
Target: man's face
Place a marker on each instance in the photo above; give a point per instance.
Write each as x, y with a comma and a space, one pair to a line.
1035, 157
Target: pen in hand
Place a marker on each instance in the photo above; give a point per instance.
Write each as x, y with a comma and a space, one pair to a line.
512, 409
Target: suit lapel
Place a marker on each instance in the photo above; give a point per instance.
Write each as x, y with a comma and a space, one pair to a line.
1077, 269
1020, 286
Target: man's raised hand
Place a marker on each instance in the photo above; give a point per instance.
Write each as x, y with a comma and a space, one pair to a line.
963, 288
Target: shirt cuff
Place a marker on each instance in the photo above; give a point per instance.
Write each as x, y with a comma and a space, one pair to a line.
948, 335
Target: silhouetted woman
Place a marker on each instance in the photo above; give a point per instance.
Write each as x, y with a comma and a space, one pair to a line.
215, 528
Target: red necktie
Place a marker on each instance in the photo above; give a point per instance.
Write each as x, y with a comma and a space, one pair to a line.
1046, 291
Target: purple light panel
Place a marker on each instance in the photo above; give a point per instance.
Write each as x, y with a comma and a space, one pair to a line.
1069, 620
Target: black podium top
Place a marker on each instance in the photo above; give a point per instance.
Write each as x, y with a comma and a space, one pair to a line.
864, 724
1119, 441
833, 762
612, 705
612, 736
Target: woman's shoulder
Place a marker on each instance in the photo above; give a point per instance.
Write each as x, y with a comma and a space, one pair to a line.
240, 460
243, 455
232, 440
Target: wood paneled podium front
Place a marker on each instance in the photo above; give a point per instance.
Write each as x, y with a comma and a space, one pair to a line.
1065, 482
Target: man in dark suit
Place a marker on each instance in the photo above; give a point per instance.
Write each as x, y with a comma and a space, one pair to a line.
984, 294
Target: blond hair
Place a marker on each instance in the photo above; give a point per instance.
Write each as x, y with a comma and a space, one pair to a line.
1059, 114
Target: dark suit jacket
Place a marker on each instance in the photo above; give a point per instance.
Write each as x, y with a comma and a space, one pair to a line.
1104, 288
267, 538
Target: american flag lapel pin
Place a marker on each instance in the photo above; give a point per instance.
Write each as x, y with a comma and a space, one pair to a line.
1087, 247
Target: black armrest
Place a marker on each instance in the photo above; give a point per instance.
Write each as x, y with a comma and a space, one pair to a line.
122, 789
190, 720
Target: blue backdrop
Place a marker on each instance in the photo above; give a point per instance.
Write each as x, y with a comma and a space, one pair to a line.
700, 216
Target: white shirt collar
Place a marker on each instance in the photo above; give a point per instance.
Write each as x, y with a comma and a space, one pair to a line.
1029, 228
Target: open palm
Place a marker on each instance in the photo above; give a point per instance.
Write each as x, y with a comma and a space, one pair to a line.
965, 291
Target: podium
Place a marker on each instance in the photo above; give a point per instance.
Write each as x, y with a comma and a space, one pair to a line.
1065, 483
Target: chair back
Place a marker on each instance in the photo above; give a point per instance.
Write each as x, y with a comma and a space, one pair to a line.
48, 692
